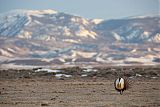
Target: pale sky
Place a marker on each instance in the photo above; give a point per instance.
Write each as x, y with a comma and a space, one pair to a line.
105, 9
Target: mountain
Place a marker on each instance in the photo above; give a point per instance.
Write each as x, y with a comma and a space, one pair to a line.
47, 37
45, 25
133, 30
53, 25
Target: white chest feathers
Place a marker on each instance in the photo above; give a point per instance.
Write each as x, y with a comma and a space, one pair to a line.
120, 84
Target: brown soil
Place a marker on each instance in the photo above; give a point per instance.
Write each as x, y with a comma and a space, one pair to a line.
45, 90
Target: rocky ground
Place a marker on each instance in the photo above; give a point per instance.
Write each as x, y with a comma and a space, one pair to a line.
79, 87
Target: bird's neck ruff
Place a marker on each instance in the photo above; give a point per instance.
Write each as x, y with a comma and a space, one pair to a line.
120, 83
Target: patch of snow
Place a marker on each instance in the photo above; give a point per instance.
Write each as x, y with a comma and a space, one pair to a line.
154, 77
25, 34
75, 19
11, 50
86, 33
5, 53
37, 22
131, 77
88, 67
62, 60
41, 52
14, 15
18, 48
48, 38
48, 70
38, 15
74, 59
38, 12
156, 38
90, 70
84, 75
144, 16
71, 41
29, 21
146, 33
62, 75
150, 56
12, 65
99, 59
46, 60
149, 49
97, 21
66, 31
79, 20
74, 54
83, 54
84, 21
141, 59
110, 59
116, 36
134, 50
138, 75
156, 49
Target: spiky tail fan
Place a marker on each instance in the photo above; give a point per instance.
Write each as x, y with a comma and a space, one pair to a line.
128, 83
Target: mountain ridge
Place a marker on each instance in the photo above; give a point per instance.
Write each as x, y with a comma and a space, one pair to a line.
51, 21
69, 39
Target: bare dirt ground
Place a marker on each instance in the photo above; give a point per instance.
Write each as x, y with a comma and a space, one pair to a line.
94, 91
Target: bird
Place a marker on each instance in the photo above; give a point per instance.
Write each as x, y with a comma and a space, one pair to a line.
121, 84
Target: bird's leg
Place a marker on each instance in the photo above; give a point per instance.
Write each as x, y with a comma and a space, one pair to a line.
121, 92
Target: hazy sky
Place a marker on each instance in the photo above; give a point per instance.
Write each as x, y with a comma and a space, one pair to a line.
104, 9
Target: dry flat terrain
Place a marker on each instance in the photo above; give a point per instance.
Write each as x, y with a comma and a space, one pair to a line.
17, 90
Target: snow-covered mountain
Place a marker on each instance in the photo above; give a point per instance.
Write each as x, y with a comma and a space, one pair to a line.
53, 25
46, 25
52, 37
133, 30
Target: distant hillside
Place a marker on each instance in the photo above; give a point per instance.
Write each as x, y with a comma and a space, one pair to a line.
51, 37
